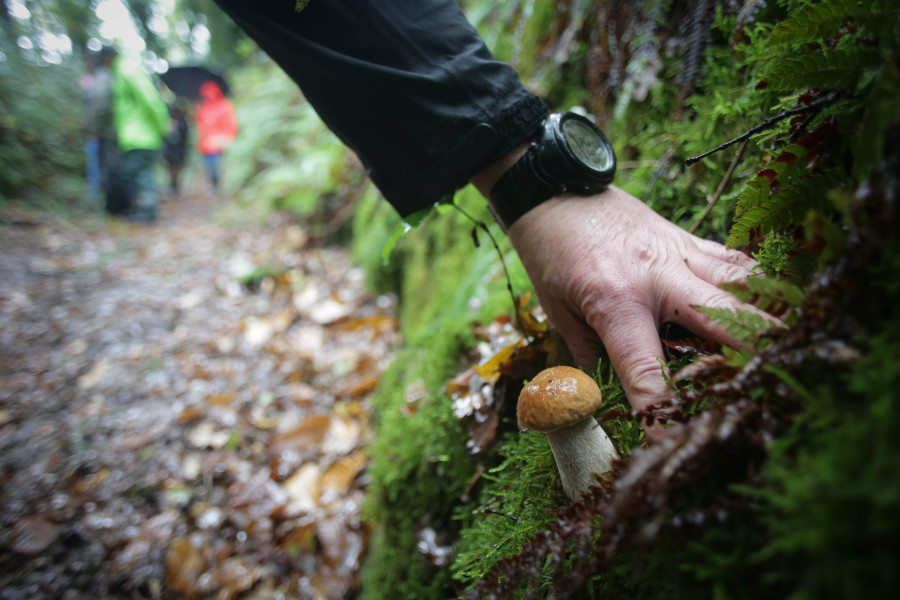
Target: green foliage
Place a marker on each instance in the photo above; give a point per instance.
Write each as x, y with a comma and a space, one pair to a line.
743, 325
762, 212
518, 498
815, 21
418, 466
841, 68
284, 156
769, 294
42, 158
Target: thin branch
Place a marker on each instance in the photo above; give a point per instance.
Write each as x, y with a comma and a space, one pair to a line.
721, 188
509, 286
815, 105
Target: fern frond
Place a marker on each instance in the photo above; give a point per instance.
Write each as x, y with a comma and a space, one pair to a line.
786, 208
815, 21
841, 68
766, 293
758, 189
754, 194
743, 325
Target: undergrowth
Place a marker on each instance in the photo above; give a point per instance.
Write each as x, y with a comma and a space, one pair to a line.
780, 482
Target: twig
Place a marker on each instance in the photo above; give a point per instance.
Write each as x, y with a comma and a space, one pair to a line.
768, 124
509, 286
721, 188
492, 511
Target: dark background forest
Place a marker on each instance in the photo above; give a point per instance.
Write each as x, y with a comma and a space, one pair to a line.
359, 439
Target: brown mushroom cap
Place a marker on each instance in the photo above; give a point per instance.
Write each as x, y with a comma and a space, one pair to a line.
557, 397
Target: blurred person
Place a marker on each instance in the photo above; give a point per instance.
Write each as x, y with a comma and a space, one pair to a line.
216, 127
174, 148
91, 145
101, 127
142, 120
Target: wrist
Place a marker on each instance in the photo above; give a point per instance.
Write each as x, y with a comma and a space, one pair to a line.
485, 179
569, 154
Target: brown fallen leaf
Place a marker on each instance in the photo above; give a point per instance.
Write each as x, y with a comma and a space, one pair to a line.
235, 575
336, 479
91, 481
302, 490
305, 436
33, 534
93, 377
184, 563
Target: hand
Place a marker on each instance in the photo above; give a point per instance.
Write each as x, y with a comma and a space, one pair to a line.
607, 267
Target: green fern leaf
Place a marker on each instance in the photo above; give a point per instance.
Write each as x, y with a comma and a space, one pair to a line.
786, 208
841, 68
768, 294
743, 325
753, 194
815, 21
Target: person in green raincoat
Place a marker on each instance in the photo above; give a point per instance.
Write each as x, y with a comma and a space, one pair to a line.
142, 121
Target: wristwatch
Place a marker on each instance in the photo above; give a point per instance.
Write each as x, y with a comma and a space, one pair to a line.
570, 154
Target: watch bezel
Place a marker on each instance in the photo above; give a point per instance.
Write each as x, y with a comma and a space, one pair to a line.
548, 168
560, 163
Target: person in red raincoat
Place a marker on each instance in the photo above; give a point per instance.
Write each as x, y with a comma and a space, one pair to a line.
216, 127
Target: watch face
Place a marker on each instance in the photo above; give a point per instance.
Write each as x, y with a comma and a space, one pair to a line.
587, 145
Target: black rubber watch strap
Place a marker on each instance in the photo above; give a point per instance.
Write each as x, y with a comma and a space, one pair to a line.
520, 189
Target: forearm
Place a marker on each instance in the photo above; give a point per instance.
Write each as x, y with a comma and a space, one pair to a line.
409, 86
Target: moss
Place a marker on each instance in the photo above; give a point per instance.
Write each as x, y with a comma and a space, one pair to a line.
420, 465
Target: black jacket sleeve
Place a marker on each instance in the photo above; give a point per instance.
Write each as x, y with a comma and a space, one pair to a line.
407, 84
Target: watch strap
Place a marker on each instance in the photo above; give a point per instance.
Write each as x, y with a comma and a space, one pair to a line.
523, 187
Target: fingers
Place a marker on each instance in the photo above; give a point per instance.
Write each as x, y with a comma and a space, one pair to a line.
636, 354
633, 344
682, 307
715, 270
718, 251
583, 342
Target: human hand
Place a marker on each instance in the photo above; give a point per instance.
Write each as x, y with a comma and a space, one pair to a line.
607, 267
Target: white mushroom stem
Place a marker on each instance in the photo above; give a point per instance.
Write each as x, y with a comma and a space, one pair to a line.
580, 451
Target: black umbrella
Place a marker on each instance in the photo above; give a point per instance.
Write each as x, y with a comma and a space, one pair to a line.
186, 81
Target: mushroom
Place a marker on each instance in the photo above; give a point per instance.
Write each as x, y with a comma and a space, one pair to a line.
560, 402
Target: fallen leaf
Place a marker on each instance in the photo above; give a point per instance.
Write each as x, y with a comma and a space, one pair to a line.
235, 575
342, 437
33, 534
223, 399
91, 481
93, 377
302, 490
185, 564
336, 480
305, 436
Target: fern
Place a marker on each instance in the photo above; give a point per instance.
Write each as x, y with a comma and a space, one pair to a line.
743, 325
766, 293
816, 21
786, 208
838, 69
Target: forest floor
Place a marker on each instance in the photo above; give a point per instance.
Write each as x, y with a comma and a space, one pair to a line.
183, 406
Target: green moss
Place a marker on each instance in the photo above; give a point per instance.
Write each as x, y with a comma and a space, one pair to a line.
420, 466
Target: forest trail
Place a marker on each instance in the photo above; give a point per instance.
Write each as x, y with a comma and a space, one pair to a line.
183, 407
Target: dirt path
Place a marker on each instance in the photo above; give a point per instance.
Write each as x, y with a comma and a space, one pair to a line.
182, 408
